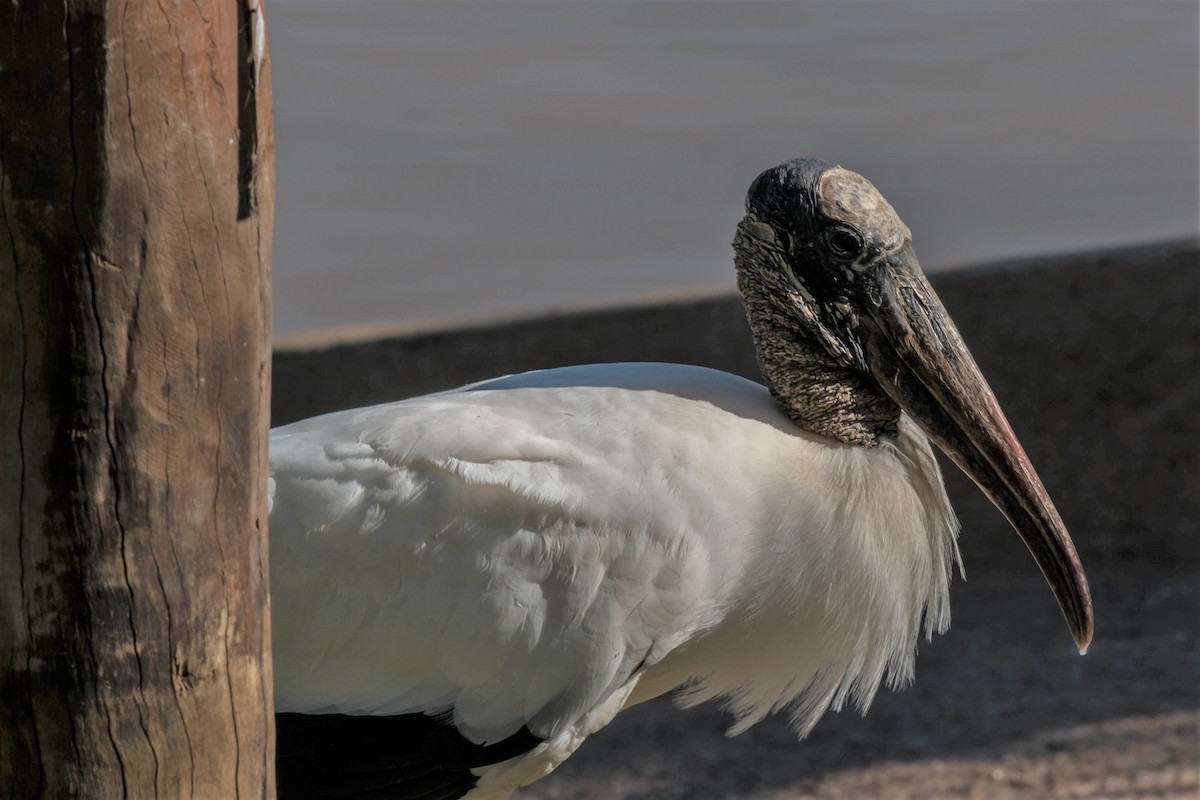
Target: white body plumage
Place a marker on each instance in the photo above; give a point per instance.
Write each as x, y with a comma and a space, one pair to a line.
545, 549
467, 585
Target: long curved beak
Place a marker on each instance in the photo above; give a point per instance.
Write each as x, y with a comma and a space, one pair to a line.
920, 360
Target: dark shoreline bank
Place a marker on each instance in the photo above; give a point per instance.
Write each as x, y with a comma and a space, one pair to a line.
1096, 360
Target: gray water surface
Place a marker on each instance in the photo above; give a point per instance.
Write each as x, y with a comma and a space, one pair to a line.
466, 159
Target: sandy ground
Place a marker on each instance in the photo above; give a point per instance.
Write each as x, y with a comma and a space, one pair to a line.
1000, 709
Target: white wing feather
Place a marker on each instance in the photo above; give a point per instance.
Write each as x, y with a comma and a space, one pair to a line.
511, 552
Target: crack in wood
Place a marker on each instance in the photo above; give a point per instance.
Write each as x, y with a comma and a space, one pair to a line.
247, 93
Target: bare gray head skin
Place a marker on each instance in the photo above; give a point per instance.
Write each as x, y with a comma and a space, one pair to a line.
849, 333
811, 231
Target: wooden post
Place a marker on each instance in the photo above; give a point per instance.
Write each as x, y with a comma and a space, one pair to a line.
136, 204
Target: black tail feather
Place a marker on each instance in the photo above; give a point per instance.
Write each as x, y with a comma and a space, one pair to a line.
406, 757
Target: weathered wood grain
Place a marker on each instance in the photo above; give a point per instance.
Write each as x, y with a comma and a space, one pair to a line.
136, 205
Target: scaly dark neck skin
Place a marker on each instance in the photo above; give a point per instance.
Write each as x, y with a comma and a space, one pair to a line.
814, 389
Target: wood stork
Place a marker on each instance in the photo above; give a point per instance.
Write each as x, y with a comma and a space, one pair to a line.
468, 584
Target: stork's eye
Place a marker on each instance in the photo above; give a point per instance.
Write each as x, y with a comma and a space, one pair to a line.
845, 242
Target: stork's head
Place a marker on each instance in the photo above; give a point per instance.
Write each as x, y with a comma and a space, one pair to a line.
827, 265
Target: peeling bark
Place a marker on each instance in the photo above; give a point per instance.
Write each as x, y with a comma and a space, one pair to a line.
136, 204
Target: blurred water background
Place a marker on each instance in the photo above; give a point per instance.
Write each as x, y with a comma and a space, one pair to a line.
459, 159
